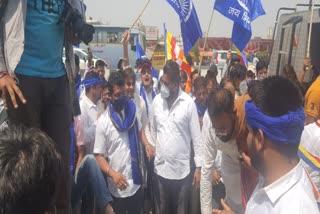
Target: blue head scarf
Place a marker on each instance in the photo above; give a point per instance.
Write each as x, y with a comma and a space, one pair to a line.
91, 82
284, 129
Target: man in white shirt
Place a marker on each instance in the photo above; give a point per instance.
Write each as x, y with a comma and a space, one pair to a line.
174, 124
275, 119
218, 135
146, 86
117, 149
89, 111
309, 152
141, 113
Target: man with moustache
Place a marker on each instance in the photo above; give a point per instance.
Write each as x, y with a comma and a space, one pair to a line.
220, 136
275, 119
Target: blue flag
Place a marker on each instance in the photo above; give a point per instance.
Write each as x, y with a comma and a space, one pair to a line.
189, 22
141, 54
242, 13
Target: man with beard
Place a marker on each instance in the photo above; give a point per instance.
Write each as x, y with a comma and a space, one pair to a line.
275, 119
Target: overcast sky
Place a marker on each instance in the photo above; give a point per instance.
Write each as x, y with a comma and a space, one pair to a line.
124, 12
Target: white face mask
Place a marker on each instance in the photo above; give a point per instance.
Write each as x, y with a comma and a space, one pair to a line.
164, 90
261, 78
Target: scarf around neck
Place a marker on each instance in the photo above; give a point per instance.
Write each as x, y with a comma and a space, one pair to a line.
144, 96
129, 124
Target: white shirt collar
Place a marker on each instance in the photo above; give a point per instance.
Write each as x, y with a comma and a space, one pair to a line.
181, 96
278, 188
89, 102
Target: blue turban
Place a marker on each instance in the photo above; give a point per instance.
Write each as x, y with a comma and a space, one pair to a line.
284, 129
91, 82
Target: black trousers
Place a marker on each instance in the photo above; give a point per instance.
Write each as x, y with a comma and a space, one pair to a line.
129, 205
48, 108
172, 196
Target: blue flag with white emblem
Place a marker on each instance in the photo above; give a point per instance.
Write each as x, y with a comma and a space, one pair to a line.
141, 54
242, 13
189, 22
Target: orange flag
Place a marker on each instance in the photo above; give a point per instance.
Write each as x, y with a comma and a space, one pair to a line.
173, 51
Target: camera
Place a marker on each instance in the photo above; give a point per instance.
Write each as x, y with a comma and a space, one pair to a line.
80, 28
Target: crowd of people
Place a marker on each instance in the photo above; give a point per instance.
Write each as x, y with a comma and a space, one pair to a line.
132, 143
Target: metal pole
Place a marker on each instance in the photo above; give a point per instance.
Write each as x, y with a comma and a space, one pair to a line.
310, 29
205, 41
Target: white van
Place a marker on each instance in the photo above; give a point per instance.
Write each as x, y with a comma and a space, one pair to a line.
83, 57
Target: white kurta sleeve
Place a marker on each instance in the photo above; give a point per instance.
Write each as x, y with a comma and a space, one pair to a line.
209, 157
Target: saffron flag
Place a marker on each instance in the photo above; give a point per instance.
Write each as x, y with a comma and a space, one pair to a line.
189, 22
173, 52
242, 13
141, 54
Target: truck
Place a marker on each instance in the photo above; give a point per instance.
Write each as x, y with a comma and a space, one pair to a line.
290, 40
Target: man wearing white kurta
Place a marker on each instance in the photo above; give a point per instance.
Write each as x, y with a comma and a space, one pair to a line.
230, 166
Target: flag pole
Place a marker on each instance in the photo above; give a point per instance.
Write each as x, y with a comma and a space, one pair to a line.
205, 41
165, 42
145, 7
310, 30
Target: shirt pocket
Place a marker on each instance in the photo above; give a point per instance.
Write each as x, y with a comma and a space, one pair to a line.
180, 122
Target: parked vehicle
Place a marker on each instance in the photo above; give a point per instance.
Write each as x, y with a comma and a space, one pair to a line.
83, 57
290, 42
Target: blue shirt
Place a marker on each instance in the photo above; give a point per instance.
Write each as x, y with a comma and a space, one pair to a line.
42, 56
